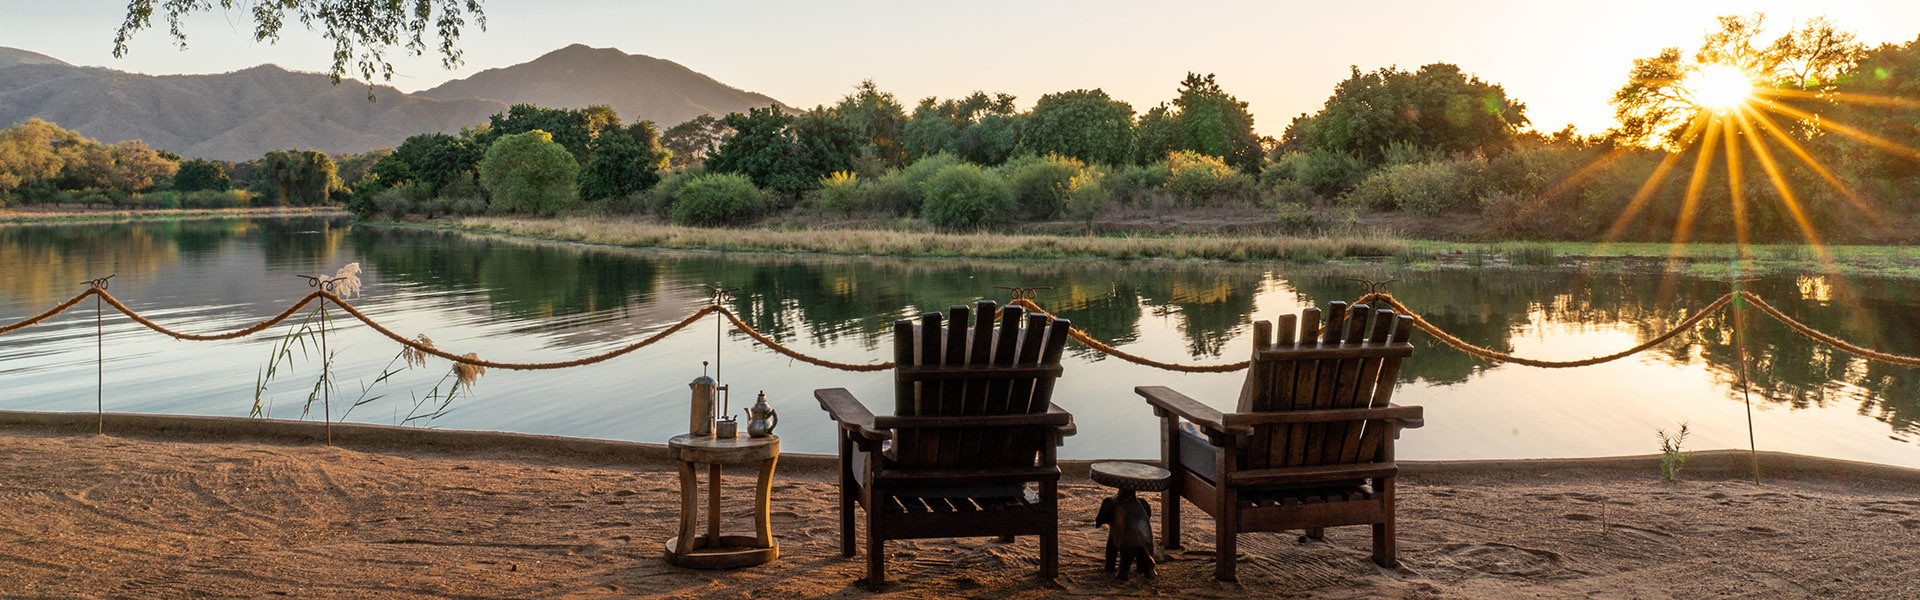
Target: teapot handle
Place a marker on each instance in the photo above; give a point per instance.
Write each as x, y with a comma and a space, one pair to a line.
774, 416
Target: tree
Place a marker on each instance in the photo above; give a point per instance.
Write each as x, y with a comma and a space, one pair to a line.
1216, 124
528, 172
879, 119
28, 155
786, 153
980, 128
362, 31
691, 142
431, 160
1083, 124
297, 177
623, 163
1437, 109
572, 129
1655, 106
1157, 135
201, 175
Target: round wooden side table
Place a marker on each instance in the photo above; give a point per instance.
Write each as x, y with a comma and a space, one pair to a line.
713, 550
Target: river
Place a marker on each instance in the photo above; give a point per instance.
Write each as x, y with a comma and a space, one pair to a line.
514, 300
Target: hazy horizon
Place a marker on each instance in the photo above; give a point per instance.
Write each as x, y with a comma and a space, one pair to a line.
1562, 61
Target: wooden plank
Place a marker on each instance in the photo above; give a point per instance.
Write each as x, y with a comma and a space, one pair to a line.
1019, 446
905, 393
956, 443
1364, 389
930, 446
1005, 349
1326, 380
1256, 392
1337, 350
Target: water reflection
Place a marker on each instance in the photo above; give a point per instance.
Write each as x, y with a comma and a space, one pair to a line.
511, 298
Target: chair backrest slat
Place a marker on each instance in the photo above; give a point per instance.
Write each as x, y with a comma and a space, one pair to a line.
968, 363
1344, 357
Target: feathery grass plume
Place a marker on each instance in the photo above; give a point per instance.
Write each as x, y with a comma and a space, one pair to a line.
346, 281
416, 357
468, 373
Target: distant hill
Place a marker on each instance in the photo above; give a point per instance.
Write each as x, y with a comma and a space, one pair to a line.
15, 56
243, 114
232, 116
638, 87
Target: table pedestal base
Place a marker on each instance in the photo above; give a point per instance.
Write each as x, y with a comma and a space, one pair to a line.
731, 551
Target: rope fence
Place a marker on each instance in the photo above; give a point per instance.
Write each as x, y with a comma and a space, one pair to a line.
1731, 299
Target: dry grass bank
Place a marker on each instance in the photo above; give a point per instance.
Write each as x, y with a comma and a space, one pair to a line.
883, 242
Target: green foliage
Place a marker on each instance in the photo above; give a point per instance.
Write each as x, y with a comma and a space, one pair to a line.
361, 33
528, 173
203, 199
659, 200
1319, 172
1197, 178
1212, 122
1672, 458
434, 160
1426, 189
201, 175
572, 129
1089, 193
296, 177
38, 158
1135, 183
787, 154
880, 120
902, 191
691, 142
1081, 124
1040, 183
843, 193
718, 199
965, 196
978, 128
1437, 108
625, 162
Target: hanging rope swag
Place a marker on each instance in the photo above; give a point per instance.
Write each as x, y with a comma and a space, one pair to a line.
1375, 298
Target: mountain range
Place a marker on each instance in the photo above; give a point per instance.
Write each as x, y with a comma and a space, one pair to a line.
243, 114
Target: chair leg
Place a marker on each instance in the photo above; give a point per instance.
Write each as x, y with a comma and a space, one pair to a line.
848, 487
1226, 554
876, 555
1384, 552
1006, 539
1316, 533
1170, 519
1050, 554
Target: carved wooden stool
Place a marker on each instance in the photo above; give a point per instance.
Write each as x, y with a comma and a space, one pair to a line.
1130, 540
712, 550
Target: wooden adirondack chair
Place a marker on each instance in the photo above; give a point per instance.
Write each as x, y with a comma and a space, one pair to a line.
973, 426
1311, 444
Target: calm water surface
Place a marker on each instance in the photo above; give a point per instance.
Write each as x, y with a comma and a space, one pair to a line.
522, 301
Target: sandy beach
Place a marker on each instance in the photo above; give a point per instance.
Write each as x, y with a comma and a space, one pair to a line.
169, 514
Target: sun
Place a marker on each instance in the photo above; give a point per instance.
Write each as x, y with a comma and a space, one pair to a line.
1719, 87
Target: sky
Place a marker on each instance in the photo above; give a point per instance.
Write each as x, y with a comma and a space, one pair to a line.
1562, 59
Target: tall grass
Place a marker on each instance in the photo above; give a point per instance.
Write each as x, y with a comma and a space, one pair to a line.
917, 243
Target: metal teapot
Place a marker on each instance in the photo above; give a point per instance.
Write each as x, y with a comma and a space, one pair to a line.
761, 419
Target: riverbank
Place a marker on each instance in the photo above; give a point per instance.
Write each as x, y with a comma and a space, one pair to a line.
182, 511
17, 216
1697, 259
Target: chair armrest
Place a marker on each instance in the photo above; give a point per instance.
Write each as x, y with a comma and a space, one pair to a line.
1391, 413
849, 413
1165, 400
1054, 416
1415, 420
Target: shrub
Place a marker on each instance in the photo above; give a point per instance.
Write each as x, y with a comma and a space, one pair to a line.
1089, 193
1133, 183
1426, 189
469, 206
1293, 219
1326, 174
965, 196
902, 190
395, 201
842, 192
1194, 178
718, 199
1039, 183
528, 172
659, 200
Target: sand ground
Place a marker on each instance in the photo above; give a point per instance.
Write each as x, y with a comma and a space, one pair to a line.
85, 516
